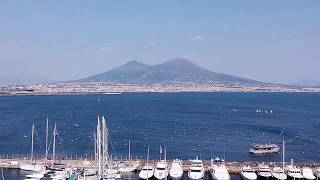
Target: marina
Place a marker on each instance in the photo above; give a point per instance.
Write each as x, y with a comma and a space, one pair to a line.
234, 168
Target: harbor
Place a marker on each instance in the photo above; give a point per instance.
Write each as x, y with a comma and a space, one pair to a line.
79, 162
48, 149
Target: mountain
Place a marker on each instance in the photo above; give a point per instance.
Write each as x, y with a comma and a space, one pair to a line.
173, 70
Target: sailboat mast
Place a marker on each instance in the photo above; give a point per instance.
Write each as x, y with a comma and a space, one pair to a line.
99, 147
32, 134
165, 153
129, 152
148, 157
95, 145
47, 126
54, 143
283, 153
104, 152
106, 139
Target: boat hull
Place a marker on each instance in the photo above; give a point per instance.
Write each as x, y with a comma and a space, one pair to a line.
31, 167
195, 176
145, 174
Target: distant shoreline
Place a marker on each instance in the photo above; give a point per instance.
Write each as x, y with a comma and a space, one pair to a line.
117, 89
164, 92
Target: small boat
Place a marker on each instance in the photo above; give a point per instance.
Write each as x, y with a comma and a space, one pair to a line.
264, 171
146, 172
35, 175
247, 173
196, 169
176, 170
220, 172
307, 173
264, 148
31, 166
316, 172
278, 173
161, 171
128, 166
293, 172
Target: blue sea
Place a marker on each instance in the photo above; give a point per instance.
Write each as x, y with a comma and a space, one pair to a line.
188, 124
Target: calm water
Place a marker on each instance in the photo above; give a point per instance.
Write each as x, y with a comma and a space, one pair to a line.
189, 124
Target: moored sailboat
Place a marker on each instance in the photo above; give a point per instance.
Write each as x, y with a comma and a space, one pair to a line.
32, 165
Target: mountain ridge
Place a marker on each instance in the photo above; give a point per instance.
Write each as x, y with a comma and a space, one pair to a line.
172, 70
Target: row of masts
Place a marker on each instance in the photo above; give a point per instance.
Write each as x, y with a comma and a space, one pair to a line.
101, 146
47, 147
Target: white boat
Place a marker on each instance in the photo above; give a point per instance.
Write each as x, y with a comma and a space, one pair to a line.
161, 171
128, 166
317, 172
264, 148
31, 166
35, 175
146, 172
247, 173
278, 173
196, 169
264, 171
307, 173
176, 170
293, 172
220, 172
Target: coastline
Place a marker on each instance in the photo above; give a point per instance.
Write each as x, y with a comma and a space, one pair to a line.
118, 89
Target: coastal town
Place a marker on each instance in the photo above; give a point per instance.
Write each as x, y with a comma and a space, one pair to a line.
109, 88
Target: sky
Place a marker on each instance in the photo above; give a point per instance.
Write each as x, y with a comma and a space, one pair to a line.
271, 41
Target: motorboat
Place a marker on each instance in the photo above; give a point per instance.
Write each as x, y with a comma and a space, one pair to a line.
316, 172
264, 148
264, 171
176, 170
247, 173
220, 172
278, 173
161, 171
146, 172
293, 172
196, 169
307, 173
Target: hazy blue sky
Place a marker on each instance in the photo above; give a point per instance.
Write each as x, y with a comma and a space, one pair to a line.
274, 41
